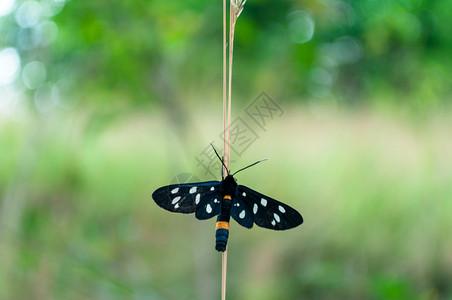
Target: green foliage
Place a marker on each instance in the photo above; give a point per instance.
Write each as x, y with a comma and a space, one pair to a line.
350, 51
78, 221
76, 216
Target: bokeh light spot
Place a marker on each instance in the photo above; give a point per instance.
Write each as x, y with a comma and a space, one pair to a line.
34, 74
27, 38
52, 7
301, 27
9, 65
46, 33
6, 7
28, 14
342, 14
321, 81
43, 98
344, 50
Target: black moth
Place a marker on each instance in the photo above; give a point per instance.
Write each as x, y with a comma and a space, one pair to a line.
227, 199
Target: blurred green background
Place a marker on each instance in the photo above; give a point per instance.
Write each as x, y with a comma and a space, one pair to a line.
102, 102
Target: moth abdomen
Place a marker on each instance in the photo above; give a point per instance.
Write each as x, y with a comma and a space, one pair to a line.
221, 235
222, 227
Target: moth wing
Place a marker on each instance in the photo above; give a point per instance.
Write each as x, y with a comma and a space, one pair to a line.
241, 212
209, 206
187, 198
267, 212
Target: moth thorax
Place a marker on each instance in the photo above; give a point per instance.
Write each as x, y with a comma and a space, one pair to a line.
229, 185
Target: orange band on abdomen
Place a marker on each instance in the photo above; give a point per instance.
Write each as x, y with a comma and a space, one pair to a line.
227, 197
222, 225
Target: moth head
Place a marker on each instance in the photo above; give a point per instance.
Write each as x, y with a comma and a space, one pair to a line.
230, 179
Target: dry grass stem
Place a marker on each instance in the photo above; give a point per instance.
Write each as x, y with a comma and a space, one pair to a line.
236, 8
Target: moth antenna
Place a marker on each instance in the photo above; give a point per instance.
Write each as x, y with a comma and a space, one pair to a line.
219, 158
264, 159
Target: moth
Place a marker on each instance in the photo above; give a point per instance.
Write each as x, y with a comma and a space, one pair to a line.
227, 199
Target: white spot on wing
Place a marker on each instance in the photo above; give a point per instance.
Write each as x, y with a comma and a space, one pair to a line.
208, 208
263, 202
216, 201
177, 205
193, 190
212, 188
242, 214
175, 200
243, 194
198, 198
273, 223
255, 208
174, 191
281, 209
277, 218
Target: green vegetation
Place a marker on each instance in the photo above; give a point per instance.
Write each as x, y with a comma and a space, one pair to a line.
78, 221
351, 52
101, 102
